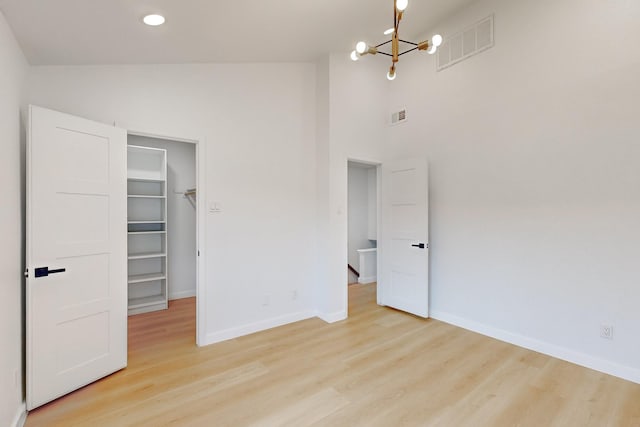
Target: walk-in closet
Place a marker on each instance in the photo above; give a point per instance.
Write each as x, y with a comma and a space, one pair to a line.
161, 217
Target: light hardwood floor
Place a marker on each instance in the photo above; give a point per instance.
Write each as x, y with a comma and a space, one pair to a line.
378, 368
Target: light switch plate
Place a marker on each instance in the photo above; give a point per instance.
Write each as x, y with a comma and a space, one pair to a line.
215, 207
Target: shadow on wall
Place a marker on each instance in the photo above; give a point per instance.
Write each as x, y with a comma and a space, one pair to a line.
23, 247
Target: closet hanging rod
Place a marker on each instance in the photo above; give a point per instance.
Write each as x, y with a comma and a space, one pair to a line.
190, 192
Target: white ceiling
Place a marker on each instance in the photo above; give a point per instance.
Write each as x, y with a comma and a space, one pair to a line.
65, 32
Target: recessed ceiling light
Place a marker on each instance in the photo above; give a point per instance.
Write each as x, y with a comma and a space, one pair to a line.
153, 20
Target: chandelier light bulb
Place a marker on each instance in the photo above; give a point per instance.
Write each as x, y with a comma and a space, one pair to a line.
354, 56
361, 47
436, 40
391, 75
401, 5
389, 31
432, 49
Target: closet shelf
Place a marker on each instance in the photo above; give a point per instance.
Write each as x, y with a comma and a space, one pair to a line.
141, 278
146, 301
138, 233
142, 196
147, 222
144, 179
147, 255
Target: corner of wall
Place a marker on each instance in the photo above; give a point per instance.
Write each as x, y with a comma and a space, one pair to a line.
332, 317
12, 135
21, 416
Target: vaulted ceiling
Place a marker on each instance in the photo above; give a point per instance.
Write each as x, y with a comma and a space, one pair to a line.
198, 31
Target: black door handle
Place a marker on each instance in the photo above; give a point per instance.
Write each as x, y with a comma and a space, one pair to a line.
419, 245
44, 271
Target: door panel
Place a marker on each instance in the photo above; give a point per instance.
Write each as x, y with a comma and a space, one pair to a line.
405, 223
77, 290
76, 221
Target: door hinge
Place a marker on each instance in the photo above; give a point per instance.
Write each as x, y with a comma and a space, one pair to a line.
26, 273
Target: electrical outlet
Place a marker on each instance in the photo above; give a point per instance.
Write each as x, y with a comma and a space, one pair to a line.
266, 300
294, 294
606, 332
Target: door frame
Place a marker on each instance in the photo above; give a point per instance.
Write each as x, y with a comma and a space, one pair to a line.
200, 224
378, 166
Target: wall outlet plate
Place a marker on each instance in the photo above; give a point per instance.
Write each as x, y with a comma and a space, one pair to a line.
606, 331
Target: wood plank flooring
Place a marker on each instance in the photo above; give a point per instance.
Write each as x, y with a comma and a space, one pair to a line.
378, 368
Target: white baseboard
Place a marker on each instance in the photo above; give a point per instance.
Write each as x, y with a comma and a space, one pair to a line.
367, 280
559, 352
183, 294
21, 416
251, 328
332, 317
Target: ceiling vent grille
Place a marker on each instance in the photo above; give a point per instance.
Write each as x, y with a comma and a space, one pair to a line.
466, 43
398, 117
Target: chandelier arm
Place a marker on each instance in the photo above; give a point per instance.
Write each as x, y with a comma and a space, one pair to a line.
394, 37
408, 42
385, 54
407, 51
395, 15
382, 44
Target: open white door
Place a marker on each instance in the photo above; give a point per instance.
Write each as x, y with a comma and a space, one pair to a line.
404, 247
76, 253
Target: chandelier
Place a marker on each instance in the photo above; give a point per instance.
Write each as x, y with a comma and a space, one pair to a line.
362, 48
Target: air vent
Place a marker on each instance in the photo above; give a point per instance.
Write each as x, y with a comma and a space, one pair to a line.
399, 117
466, 43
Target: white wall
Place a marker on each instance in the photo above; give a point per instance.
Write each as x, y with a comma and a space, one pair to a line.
13, 68
535, 177
322, 295
352, 127
258, 126
358, 213
181, 211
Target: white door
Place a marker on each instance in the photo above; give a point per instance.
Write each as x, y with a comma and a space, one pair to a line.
404, 247
76, 253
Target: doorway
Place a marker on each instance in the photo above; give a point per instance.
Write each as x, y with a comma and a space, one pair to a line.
77, 277
362, 223
176, 239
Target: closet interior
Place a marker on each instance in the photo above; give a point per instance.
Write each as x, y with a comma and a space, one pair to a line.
161, 222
